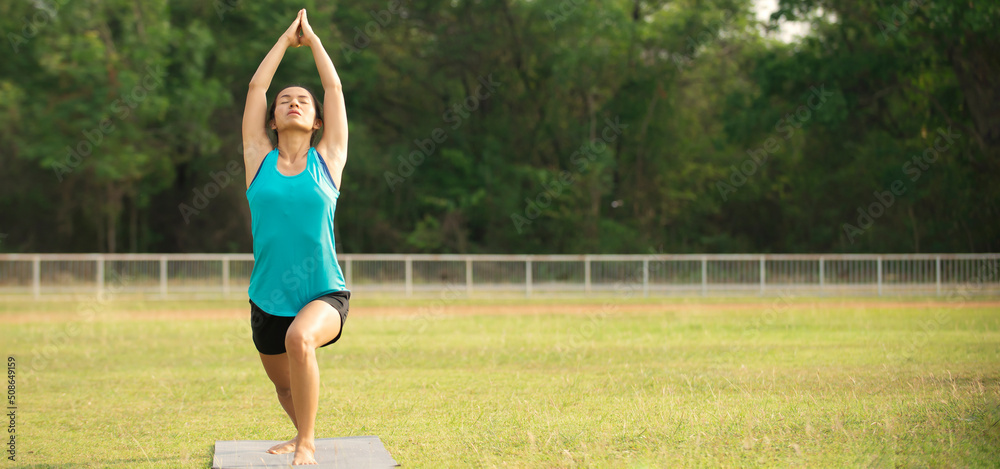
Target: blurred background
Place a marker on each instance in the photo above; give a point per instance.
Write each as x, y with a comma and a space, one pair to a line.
529, 127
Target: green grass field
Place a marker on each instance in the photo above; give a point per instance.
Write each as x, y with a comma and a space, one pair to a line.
828, 383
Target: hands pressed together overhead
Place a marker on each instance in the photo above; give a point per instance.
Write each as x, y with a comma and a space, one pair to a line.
300, 33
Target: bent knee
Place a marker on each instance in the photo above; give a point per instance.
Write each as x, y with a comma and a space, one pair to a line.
283, 391
296, 341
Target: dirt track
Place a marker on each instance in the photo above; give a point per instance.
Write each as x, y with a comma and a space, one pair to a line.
473, 310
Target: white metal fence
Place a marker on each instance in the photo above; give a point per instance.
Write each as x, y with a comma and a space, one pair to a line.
179, 276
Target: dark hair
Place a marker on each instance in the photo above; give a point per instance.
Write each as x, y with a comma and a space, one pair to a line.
274, 104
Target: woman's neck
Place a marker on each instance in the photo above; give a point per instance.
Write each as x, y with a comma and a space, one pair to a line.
293, 146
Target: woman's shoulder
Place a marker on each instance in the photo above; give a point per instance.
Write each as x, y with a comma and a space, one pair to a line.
320, 153
321, 160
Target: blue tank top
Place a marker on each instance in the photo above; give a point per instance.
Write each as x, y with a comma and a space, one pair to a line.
295, 261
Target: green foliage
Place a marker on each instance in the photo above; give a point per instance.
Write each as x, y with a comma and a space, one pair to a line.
697, 86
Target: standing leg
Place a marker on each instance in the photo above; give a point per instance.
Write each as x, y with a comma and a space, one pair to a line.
276, 367
316, 324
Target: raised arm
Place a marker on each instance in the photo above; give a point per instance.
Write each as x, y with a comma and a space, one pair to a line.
333, 145
255, 142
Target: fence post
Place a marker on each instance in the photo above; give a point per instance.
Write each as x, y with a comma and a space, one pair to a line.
762, 274
704, 275
100, 276
937, 274
468, 277
527, 277
879, 275
225, 275
821, 274
36, 277
645, 278
348, 271
409, 276
586, 274
163, 276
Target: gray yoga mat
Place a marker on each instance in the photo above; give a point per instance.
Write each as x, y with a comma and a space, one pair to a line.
362, 452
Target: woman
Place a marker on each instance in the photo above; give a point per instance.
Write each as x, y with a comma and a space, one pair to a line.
298, 298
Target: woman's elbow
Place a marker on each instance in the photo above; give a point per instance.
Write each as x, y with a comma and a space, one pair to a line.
334, 86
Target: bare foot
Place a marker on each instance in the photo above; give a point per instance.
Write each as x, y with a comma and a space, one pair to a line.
282, 448
304, 454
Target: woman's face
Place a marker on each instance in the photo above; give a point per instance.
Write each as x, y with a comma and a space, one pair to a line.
295, 109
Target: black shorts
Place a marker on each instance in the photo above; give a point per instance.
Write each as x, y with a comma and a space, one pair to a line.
269, 330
